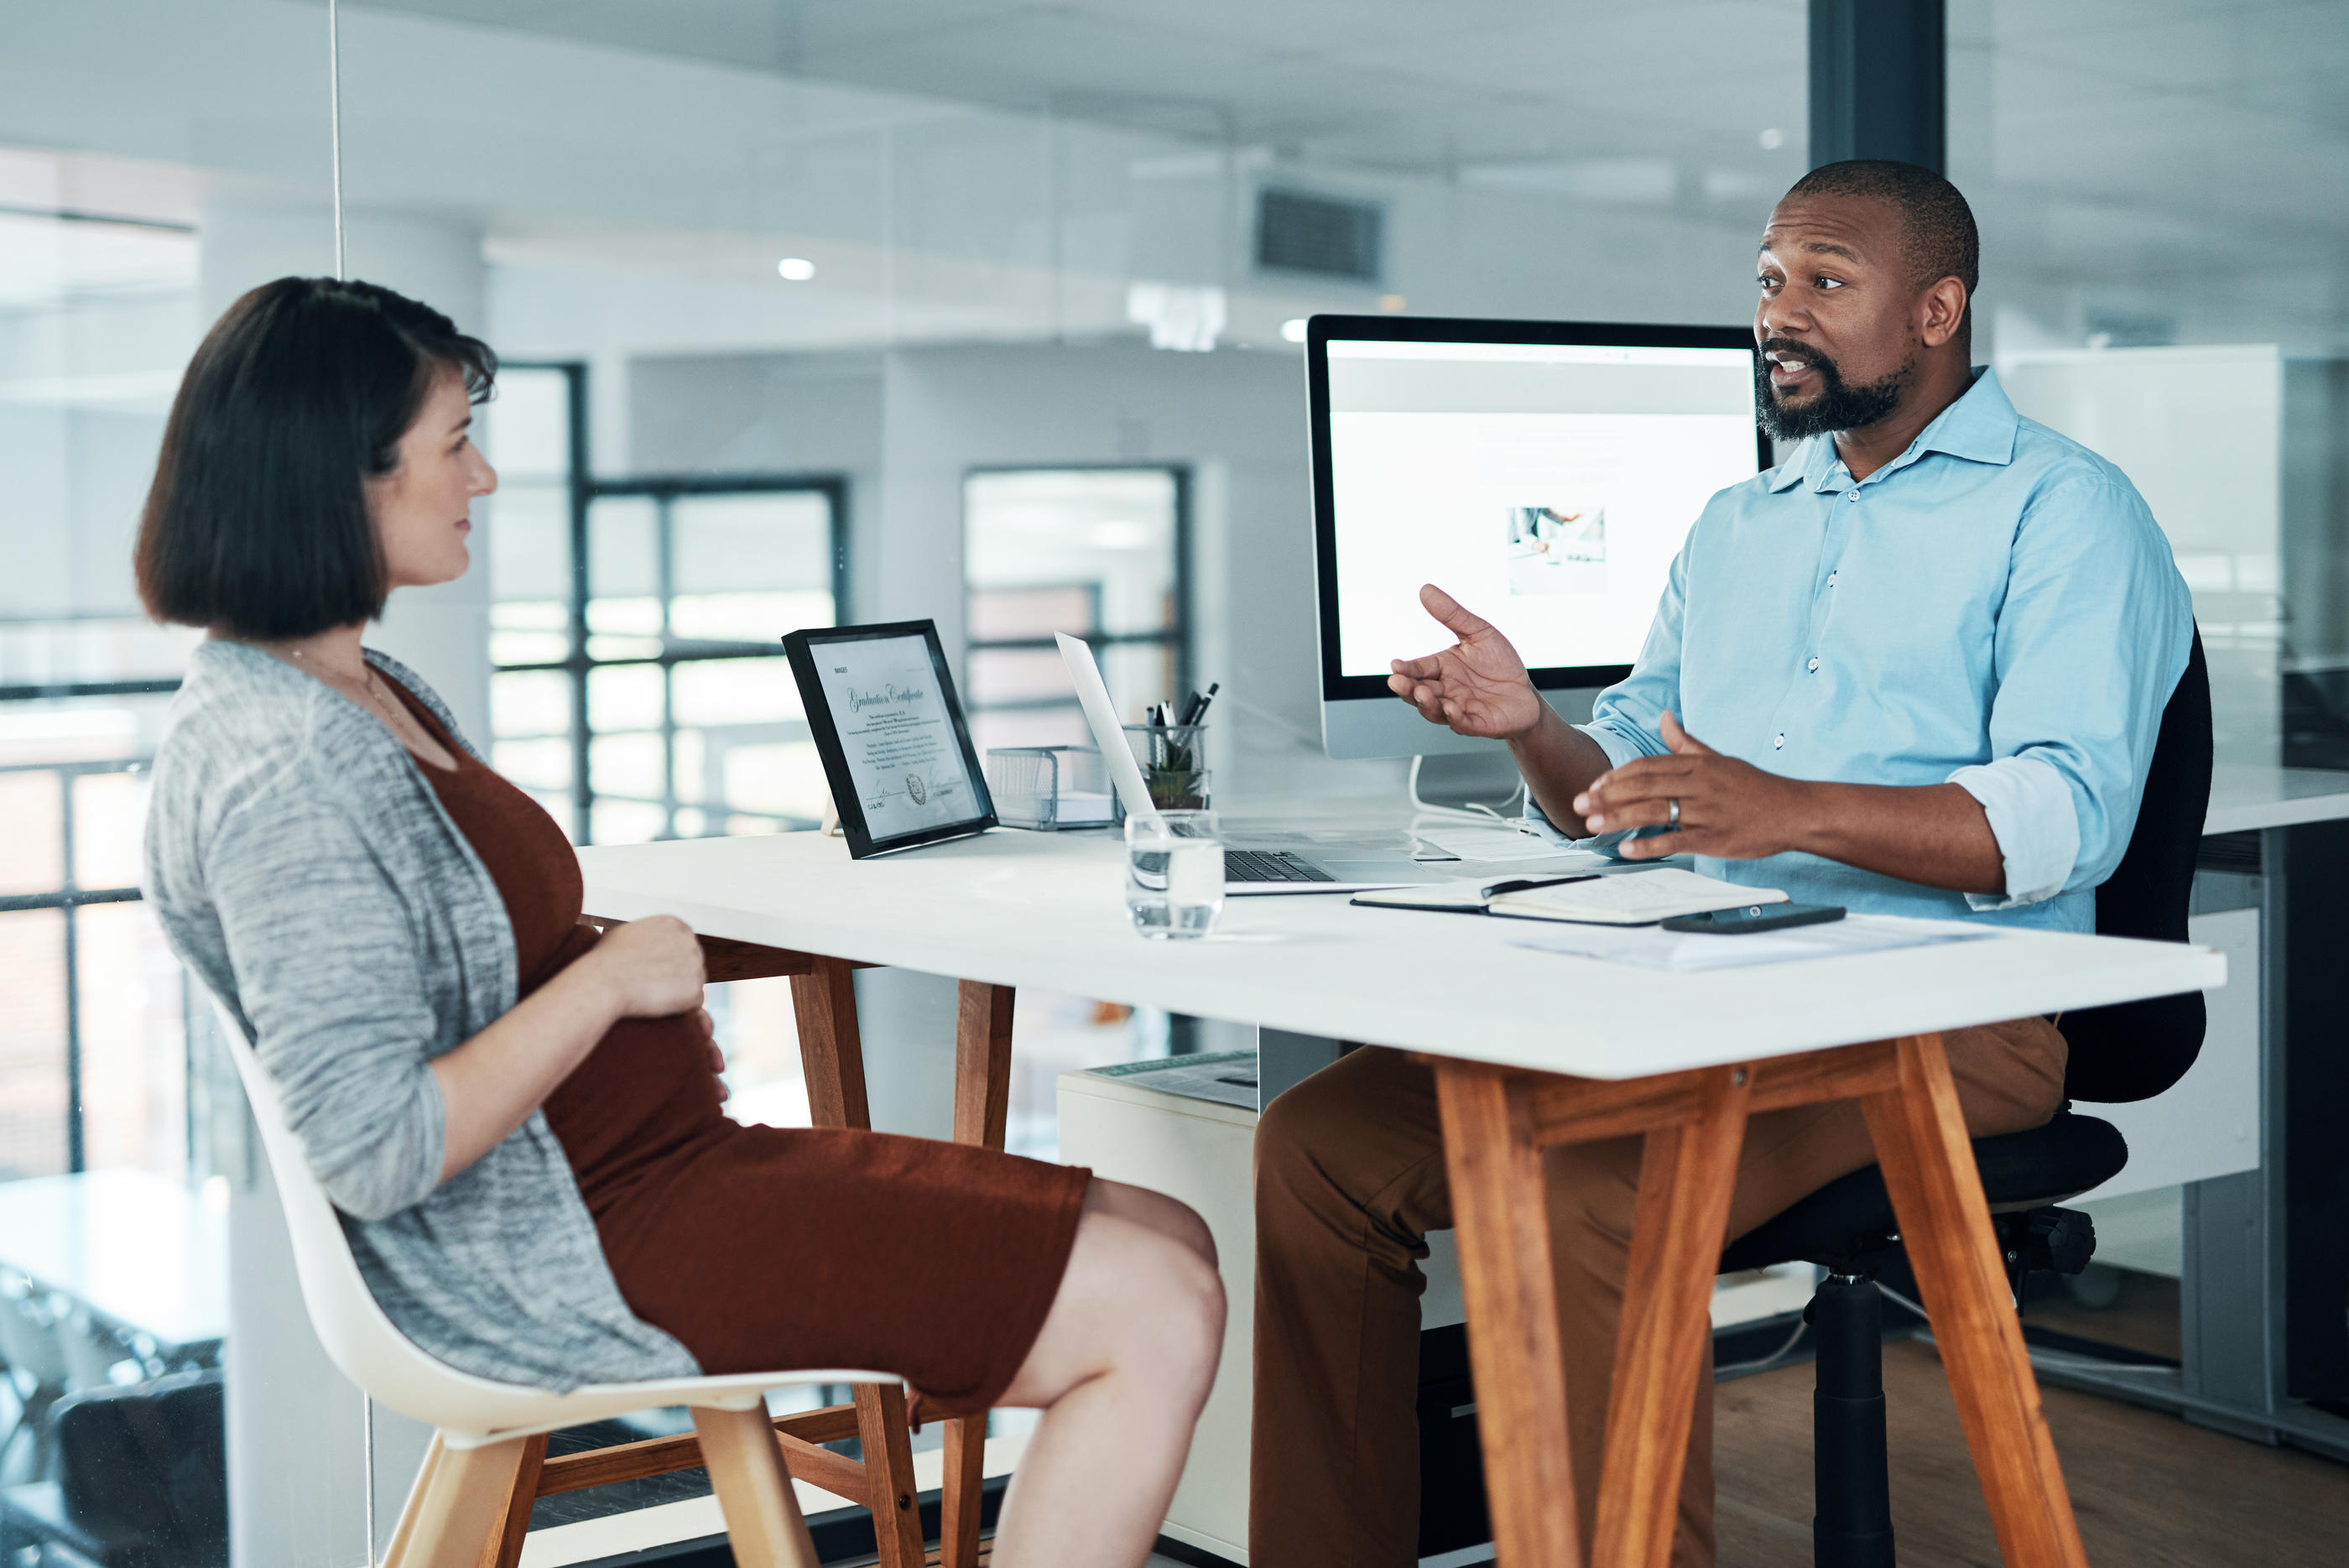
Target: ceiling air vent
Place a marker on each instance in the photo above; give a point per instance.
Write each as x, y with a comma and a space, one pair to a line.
1324, 236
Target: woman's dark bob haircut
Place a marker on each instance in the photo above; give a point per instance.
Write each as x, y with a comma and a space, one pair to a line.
257, 525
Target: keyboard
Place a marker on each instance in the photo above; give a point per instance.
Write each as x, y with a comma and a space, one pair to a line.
1270, 866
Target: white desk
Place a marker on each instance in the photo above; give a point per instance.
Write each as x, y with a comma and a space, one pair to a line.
2245, 799
143, 1253
1046, 909
1682, 1059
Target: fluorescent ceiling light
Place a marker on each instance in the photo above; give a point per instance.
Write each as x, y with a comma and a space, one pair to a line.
795, 269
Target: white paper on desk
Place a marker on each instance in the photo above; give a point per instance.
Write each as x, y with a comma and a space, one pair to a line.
1650, 947
1498, 842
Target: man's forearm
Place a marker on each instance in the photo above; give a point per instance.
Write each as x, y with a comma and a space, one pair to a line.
1559, 762
1937, 834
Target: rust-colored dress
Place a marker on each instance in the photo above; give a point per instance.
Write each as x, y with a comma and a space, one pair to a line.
771, 1247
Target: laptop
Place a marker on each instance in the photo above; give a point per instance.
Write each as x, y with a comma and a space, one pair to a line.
1247, 869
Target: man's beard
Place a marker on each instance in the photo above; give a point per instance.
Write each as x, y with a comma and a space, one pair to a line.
1836, 406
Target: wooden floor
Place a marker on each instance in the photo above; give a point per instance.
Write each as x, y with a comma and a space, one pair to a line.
2150, 1490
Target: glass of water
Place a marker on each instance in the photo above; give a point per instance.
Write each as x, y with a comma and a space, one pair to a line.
1174, 874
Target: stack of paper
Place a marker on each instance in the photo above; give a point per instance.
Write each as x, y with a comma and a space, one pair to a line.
1649, 947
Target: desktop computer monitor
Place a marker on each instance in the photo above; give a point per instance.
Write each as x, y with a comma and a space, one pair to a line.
1543, 473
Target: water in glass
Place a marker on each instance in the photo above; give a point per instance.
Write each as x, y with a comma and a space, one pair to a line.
1174, 874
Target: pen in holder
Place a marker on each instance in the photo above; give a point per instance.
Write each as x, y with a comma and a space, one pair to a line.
1173, 759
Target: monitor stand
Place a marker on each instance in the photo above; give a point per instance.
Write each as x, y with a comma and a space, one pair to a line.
1482, 784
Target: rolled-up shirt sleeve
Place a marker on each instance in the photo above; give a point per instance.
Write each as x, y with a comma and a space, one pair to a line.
2091, 641
2031, 816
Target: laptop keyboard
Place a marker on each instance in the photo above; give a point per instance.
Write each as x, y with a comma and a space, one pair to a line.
1270, 866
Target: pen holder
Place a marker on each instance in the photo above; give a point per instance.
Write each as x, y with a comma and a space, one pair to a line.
1173, 759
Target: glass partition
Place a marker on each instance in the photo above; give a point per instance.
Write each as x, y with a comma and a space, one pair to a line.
145, 152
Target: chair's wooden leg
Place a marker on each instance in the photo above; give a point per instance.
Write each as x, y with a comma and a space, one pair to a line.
1687, 1175
1937, 1193
960, 1492
831, 1052
404, 1532
458, 1498
763, 1523
982, 1107
889, 1474
503, 1549
1501, 1206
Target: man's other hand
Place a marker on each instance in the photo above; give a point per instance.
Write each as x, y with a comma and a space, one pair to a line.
1729, 809
1476, 687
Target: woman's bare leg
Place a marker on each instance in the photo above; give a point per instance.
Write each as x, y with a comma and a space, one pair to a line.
1120, 1369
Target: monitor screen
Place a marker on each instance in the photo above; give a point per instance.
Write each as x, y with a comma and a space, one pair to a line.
1545, 474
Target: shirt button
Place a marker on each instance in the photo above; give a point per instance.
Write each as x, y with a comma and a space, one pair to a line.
1777, 740
1814, 665
1831, 577
1851, 496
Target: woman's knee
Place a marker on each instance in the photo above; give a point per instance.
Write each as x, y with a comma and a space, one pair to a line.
1169, 1217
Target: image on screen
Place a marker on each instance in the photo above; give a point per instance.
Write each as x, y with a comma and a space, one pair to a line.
1546, 486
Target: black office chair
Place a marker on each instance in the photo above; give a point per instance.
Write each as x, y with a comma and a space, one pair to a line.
2131, 1051
142, 1480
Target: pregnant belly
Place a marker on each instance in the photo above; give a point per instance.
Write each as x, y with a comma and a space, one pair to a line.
645, 1096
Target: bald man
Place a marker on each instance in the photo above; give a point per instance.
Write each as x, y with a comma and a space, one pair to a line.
1917, 668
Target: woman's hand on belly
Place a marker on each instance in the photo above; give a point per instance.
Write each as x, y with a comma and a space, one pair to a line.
647, 969
653, 967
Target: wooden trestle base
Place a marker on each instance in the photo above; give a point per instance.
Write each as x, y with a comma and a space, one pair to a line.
1497, 1121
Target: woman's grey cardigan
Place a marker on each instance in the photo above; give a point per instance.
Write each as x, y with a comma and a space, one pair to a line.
304, 869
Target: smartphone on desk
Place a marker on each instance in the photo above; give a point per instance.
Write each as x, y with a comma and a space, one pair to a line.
1755, 918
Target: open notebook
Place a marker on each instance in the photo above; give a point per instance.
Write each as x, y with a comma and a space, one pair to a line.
1630, 899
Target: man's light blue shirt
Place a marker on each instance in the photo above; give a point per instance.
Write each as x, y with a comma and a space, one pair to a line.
1995, 608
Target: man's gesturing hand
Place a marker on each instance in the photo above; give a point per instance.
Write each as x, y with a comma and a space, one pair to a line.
1730, 809
1476, 687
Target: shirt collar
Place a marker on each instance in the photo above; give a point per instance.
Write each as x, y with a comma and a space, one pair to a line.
1979, 427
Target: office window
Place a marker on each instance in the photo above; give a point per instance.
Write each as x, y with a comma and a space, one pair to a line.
1098, 552
1094, 552
638, 690
96, 318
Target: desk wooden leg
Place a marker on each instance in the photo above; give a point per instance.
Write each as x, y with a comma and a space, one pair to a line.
832, 1054
982, 1107
1687, 1175
1499, 1203
1937, 1193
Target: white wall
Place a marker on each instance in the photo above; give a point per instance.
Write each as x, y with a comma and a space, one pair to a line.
918, 419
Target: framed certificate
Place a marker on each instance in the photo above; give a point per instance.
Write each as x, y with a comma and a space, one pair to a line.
895, 750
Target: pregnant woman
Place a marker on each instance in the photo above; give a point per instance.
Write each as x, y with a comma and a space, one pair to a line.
519, 1119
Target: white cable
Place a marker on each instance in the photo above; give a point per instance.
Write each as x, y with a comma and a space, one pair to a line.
366, 1415
334, 138
1770, 1360
2048, 1358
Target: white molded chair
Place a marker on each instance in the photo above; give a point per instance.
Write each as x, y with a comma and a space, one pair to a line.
482, 1428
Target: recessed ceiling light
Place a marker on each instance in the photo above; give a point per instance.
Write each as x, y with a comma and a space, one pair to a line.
1772, 139
796, 269
1294, 331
